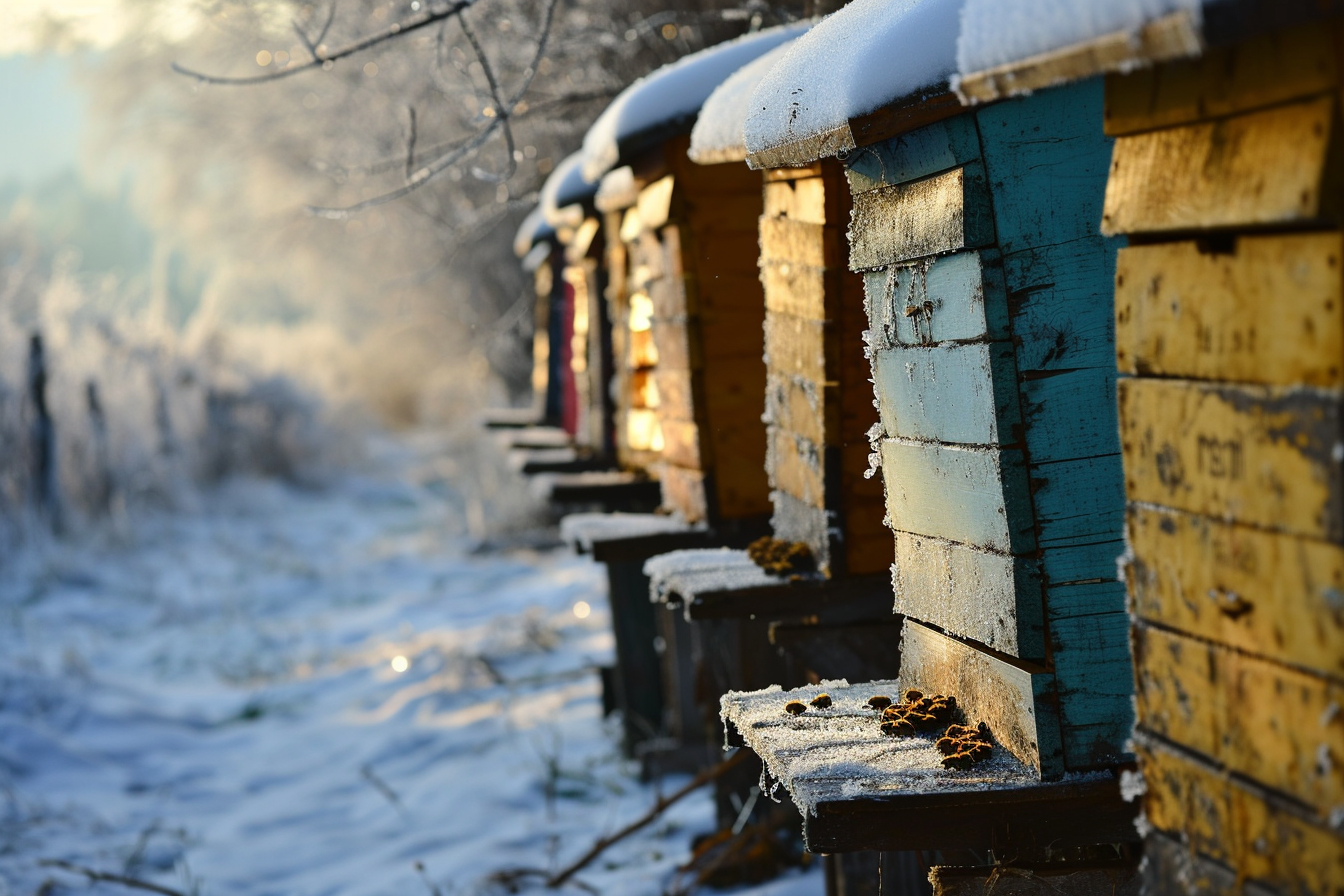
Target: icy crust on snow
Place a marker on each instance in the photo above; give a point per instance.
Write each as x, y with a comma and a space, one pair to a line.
840, 753
688, 574
1001, 32
719, 134
856, 61
582, 530
565, 187
533, 230
659, 104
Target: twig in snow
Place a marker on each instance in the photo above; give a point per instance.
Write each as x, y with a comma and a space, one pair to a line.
558, 880
132, 882
382, 787
433, 887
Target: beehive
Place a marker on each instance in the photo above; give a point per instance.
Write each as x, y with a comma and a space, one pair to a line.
1229, 320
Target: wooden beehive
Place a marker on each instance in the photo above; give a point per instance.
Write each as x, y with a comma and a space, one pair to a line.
1229, 312
687, 311
991, 340
589, 330
818, 403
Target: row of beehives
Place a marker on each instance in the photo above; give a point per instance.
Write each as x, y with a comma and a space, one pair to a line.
1106, 310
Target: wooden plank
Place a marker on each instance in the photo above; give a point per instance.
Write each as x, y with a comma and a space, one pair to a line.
953, 298
671, 298
799, 290
795, 347
1171, 36
1253, 454
794, 519
1078, 502
684, 492
674, 346
739, 484
1262, 838
731, 332
1262, 168
865, 541
1061, 299
803, 200
1269, 311
929, 150
655, 203
1278, 726
676, 393
1006, 696
1080, 563
1265, 70
796, 467
995, 599
1172, 869
1278, 596
1094, 678
964, 394
976, 496
1048, 159
731, 387
726, 290
1062, 879
801, 242
1070, 414
803, 407
681, 443
939, 214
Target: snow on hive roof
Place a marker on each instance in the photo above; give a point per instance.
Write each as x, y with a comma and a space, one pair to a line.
533, 230
667, 101
1015, 46
840, 753
583, 530
565, 187
864, 57
719, 133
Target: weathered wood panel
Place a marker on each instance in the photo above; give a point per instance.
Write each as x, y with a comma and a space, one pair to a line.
796, 347
731, 331
1252, 74
1066, 879
1078, 563
1047, 159
1270, 311
801, 242
793, 519
1062, 300
1078, 502
964, 394
1005, 696
739, 482
1255, 454
674, 345
796, 466
929, 150
976, 496
803, 407
1279, 596
1095, 680
1261, 838
1262, 168
681, 443
939, 214
799, 290
1278, 726
1171, 869
684, 492
1070, 414
805, 200
953, 298
995, 599
676, 393
671, 298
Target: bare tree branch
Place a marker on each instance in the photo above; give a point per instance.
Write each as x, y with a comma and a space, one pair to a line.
312, 45
396, 29
410, 141
504, 114
134, 883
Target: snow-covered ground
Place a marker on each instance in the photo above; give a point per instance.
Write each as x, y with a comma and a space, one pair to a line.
312, 692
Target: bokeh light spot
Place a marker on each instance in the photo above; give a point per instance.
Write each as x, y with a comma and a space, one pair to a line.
582, 610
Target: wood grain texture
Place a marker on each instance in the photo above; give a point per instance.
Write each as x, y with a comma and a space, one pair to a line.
811, 199
1070, 414
1078, 502
1262, 838
1171, 36
1280, 727
798, 347
794, 519
803, 407
1062, 304
684, 492
676, 393
1271, 311
731, 331
1010, 698
1262, 168
799, 290
996, 599
1252, 74
1015, 880
1047, 161
975, 496
952, 298
1094, 679
1273, 595
1084, 562
801, 242
673, 344
939, 214
963, 394
929, 150
796, 466
1253, 454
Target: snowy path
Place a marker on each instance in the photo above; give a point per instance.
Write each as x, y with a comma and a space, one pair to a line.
215, 705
